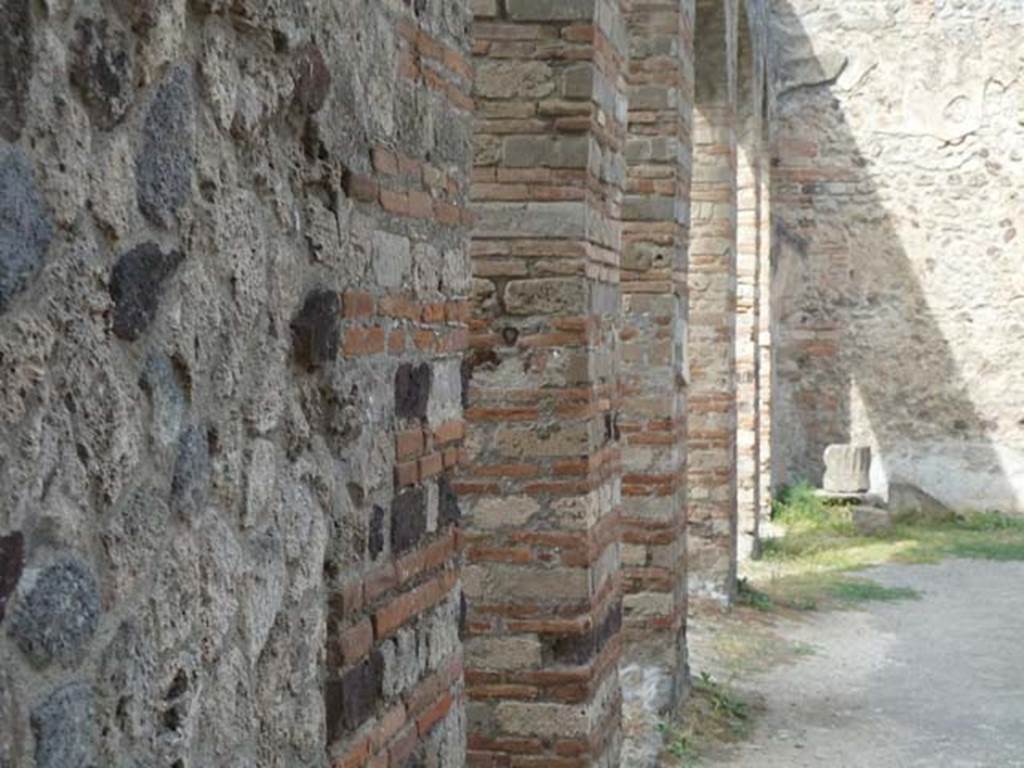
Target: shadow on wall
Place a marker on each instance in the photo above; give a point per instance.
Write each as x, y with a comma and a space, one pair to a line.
860, 355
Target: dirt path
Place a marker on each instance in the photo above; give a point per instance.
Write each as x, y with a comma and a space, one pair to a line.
930, 683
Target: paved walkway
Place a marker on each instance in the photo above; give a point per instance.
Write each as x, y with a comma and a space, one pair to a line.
931, 683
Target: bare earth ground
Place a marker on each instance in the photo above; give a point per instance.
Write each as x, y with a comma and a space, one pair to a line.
935, 682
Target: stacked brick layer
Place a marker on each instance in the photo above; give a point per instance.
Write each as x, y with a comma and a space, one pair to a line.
749, 263
711, 449
765, 394
542, 493
654, 301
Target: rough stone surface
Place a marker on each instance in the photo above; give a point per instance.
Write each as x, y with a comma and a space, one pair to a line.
101, 68
25, 228
64, 728
9, 738
16, 51
313, 82
897, 204
847, 469
449, 512
350, 700
56, 612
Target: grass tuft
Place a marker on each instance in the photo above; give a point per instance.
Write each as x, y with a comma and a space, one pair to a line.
808, 568
748, 595
713, 714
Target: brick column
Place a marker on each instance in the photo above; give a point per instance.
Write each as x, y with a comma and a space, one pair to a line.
711, 455
393, 675
748, 307
653, 416
542, 494
764, 322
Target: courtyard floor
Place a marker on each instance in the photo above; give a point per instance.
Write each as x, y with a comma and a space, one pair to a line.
933, 678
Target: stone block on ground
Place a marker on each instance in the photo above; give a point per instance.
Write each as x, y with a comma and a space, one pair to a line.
847, 469
908, 502
870, 520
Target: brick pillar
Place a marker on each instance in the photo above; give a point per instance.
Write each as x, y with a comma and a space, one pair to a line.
542, 494
711, 278
748, 235
653, 416
764, 322
393, 675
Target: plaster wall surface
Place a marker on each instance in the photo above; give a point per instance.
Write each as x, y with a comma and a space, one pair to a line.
898, 283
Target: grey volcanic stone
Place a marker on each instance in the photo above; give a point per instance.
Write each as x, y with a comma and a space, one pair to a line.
100, 68
350, 701
12, 560
25, 228
312, 80
164, 166
135, 287
8, 731
191, 479
15, 65
167, 397
408, 519
376, 538
316, 330
412, 390
63, 728
56, 613
448, 503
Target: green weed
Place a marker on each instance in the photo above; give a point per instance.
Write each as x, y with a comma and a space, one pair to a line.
753, 598
723, 702
808, 567
713, 714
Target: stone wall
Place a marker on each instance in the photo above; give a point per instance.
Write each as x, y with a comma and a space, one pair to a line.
898, 284
233, 301
260, 395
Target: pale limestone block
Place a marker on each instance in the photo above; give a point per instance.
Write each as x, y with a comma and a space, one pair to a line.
847, 469
501, 512
503, 653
